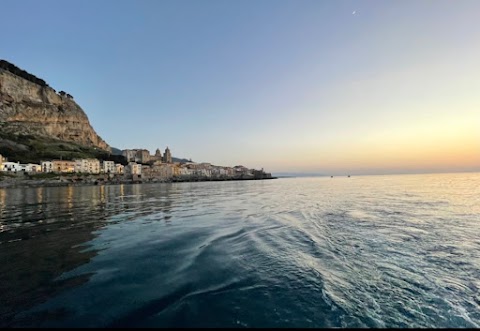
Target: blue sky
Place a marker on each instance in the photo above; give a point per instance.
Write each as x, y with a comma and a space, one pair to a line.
315, 86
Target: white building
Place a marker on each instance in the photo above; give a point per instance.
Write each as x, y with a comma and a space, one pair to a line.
47, 166
11, 166
87, 166
241, 170
203, 172
219, 171
184, 171
108, 167
230, 171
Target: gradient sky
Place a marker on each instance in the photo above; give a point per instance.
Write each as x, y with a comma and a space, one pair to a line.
332, 87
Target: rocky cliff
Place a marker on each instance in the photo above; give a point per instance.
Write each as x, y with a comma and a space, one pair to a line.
30, 107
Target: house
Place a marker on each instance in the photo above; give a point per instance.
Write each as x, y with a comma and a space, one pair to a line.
62, 166
133, 169
108, 167
47, 166
119, 168
31, 167
11, 167
219, 172
87, 166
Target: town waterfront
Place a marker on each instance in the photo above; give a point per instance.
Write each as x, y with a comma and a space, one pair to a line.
367, 251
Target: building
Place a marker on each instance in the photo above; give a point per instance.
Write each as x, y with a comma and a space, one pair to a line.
230, 171
129, 154
87, 166
159, 170
133, 169
18, 167
31, 167
167, 156
146, 172
219, 172
2, 159
11, 166
142, 156
108, 167
157, 156
177, 170
62, 166
243, 172
47, 166
184, 171
119, 168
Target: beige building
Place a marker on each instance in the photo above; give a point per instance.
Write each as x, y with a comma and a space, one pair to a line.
31, 167
159, 171
108, 167
119, 168
62, 166
133, 169
129, 154
177, 170
142, 156
87, 166
157, 156
2, 159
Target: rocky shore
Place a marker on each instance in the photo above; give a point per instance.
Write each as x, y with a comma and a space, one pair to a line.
21, 180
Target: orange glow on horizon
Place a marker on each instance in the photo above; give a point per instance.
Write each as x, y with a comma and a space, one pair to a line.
444, 145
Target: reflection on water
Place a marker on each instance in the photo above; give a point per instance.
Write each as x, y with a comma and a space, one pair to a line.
373, 251
43, 232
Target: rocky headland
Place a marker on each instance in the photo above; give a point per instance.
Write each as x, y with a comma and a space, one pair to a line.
32, 113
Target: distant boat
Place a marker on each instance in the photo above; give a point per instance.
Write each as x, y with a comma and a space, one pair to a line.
348, 175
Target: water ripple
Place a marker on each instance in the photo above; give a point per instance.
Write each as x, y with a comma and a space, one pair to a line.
373, 251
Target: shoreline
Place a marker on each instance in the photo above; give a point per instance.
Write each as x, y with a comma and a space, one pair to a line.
65, 181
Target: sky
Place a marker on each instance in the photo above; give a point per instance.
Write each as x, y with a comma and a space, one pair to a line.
330, 87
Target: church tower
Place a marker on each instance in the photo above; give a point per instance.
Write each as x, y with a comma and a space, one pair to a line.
167, 157
158, 154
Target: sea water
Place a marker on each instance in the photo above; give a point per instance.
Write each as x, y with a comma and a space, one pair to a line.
364, 251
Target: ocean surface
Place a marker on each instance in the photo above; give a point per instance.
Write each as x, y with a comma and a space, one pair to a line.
367, 251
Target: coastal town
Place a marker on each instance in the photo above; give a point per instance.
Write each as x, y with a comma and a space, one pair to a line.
46, 138
140, 166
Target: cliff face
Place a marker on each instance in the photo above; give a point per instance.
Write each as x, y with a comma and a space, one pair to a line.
33, 109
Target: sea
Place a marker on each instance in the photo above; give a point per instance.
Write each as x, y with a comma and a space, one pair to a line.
362, 251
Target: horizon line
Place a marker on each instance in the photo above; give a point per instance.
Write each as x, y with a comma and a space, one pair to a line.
311, 174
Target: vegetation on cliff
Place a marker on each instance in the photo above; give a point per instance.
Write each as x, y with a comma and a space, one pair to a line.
26, 148
21, 73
